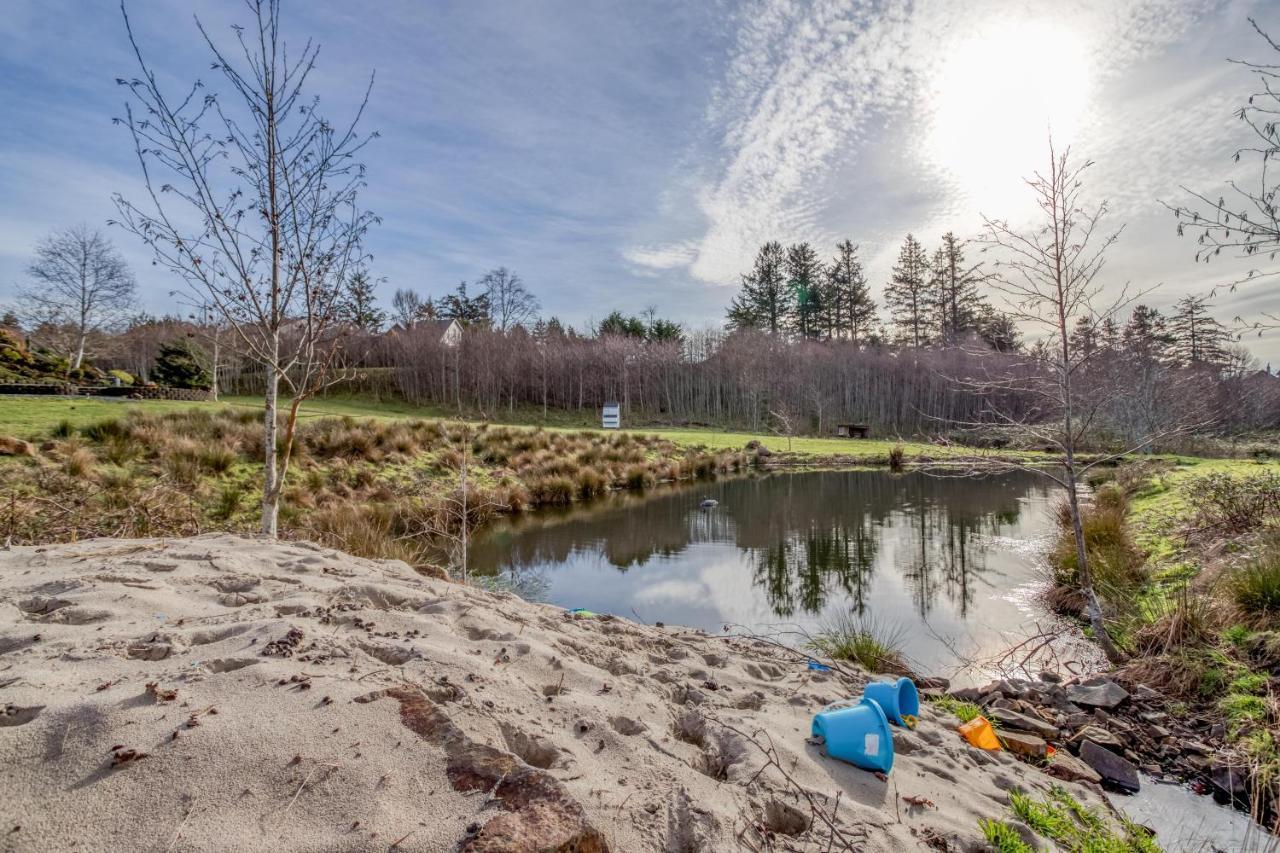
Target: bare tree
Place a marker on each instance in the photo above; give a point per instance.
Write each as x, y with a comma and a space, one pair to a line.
1245, 223
252, 199
79, 283
510, 302
1049, 276
408, 308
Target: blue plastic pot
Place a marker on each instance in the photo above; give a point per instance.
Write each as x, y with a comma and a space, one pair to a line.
895, 698
858, 734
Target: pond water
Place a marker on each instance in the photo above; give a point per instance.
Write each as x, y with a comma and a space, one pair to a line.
947, 564
951, 565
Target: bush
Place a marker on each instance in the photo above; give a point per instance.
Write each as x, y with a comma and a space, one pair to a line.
230, 496
1235, 504
639, 477
181, 364
125, 377
590, 483
79, 462
218, 458
1256, 587
553, 491
896, 454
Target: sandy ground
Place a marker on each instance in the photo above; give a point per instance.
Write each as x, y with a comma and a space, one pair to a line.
224, 693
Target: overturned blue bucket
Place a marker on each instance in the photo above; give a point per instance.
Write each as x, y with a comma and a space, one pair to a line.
898, 699
858, 734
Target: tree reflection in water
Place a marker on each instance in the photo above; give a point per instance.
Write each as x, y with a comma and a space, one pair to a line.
807, 537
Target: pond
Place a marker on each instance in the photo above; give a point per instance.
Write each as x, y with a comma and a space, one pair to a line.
948, 565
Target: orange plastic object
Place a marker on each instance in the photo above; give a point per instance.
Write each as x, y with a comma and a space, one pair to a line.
978, 732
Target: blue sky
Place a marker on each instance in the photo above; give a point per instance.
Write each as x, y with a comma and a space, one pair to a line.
621, 154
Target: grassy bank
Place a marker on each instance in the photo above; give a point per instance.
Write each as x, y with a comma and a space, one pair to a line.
1186, 555
35, 417
377, 487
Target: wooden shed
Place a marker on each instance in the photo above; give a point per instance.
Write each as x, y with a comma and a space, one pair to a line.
853, 430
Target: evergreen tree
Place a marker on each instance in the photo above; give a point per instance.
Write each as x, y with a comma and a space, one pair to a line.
621, 325
956, 303
1084, 337
998, 330
360, 305
467, 310
1198, 339
1146, 335
762, 302
850, 306
664, 331
181, 364
907, 294
805, 285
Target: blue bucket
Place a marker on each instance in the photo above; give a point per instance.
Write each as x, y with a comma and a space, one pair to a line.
896, 698
858, 734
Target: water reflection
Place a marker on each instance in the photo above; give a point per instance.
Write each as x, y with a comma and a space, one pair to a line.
909, 548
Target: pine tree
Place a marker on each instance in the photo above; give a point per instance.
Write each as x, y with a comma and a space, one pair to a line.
467, 310
181, 364
805, 285
762, 302
956, 303
1146, 335
851, 308
907, 294
1198, 339
999, 330
360, 305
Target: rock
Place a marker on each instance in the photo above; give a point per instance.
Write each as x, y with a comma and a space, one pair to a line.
967, 694
1158, 732
1025, 722
927, 682
1067, 767
1230, 783
1100, 736
1024, 743
1050, 677
1111, 767
1197, 747
1097, 693
990, 698
1152, 716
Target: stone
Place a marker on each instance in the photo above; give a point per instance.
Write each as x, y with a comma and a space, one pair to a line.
1067, 767
1050, 677
1024, 743
1152, 716
1100, 736
925, 682
1230, 783
967, 694
990, 698
1113, 769
1097, 693
1024, 722
1197, 747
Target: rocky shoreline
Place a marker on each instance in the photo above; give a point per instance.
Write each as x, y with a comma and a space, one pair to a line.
1111, 730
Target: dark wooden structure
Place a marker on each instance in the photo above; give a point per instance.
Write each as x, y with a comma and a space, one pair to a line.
853, 430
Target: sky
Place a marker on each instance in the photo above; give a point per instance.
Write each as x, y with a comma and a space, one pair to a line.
622, 154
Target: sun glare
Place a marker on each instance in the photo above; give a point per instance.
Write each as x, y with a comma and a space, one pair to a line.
997, 95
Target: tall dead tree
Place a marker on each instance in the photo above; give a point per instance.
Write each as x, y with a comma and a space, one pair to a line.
80, 285
1049, 276
252, 198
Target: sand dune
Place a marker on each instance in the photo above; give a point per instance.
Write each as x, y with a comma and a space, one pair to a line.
224, 693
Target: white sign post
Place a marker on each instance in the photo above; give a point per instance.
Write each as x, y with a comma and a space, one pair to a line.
611, 416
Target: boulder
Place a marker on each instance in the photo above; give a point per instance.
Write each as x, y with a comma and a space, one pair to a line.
1100, 736
1067, 767
1024, 743
967, 694
1050, 677
1230, 782
1024, 722
1097, 693
1113, 769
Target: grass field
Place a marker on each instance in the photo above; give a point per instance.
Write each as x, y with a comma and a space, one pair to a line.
34, 417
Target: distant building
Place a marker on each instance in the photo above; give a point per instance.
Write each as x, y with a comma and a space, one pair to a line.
447, 332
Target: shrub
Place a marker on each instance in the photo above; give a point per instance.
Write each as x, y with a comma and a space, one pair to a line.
79, 462
180, 364
218, 458
639, 477
1115, 563
227, 504
1235, 504
896, 454
63, 429
1256, 587
125, 377
590, 483
551, 491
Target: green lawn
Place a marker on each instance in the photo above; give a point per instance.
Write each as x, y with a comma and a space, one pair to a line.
34, 417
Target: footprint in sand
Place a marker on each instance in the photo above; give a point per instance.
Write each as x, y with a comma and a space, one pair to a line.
12, 715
